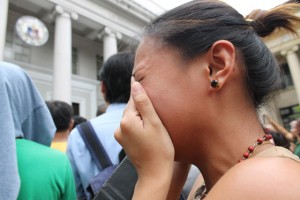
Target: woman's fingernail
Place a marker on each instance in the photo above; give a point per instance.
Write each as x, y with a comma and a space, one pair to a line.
137, 88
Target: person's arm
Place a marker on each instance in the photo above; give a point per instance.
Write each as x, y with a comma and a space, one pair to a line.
197, 184
78, 185
280, 129
179, 177
148, 145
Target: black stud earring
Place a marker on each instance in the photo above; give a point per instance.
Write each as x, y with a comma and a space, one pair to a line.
214, 83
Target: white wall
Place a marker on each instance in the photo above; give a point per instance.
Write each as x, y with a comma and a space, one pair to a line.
87, 51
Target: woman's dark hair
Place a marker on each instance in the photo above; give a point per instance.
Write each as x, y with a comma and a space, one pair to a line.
279, 139
115, 74
195, 26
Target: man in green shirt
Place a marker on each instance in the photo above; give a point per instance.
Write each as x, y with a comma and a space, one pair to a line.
29, 168
45, 173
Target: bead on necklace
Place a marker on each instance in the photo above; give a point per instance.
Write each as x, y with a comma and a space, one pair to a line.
251, 149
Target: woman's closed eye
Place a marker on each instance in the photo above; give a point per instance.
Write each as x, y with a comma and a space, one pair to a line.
138, 78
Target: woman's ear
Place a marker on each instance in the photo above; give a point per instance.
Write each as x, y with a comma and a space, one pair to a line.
222, 61
71, 125
103, 87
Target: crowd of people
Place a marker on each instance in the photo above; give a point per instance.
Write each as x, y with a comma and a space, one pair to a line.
115, 87
183, 108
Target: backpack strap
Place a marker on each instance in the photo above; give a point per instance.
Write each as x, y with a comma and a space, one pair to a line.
94, 145
120, 185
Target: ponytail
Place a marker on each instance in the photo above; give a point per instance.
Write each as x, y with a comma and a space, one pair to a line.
283, 16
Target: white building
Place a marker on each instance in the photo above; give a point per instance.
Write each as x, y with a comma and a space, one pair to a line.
83, 33
285, 48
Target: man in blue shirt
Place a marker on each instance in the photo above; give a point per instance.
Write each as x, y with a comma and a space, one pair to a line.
115, 86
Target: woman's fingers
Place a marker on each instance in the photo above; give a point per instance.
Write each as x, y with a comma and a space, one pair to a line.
142, 134
143, 103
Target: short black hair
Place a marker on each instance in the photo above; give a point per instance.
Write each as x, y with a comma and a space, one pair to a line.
78, 120
115, 74
61, 113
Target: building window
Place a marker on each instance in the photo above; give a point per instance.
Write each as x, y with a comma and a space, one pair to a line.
288, 81
99, 63
15, 48
76, 108
289, 114
74, 60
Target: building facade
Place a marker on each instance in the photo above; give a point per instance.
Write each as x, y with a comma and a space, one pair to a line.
84, 33
285, 47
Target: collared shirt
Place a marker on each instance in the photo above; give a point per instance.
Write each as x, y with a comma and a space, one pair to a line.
82, 164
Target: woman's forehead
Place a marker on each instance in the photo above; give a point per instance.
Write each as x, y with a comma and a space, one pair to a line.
150, 47
147, 45
146, 53
152, 53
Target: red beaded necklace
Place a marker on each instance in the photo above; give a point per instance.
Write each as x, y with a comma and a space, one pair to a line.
202, 192
259, 141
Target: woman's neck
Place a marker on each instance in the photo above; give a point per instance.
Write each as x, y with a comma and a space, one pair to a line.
227, 144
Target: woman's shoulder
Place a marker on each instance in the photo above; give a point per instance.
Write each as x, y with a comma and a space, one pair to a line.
268, 177
277, 151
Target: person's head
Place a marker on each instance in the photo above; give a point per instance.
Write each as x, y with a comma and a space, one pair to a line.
295, 127
184, 50
78, 120
23, 111
101, 109
115, 77
62, 115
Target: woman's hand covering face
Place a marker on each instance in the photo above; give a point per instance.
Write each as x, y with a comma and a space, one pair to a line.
144, 137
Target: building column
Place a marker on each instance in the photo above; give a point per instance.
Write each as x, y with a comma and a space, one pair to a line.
294, 65
3, 23
62, 64
110, 45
